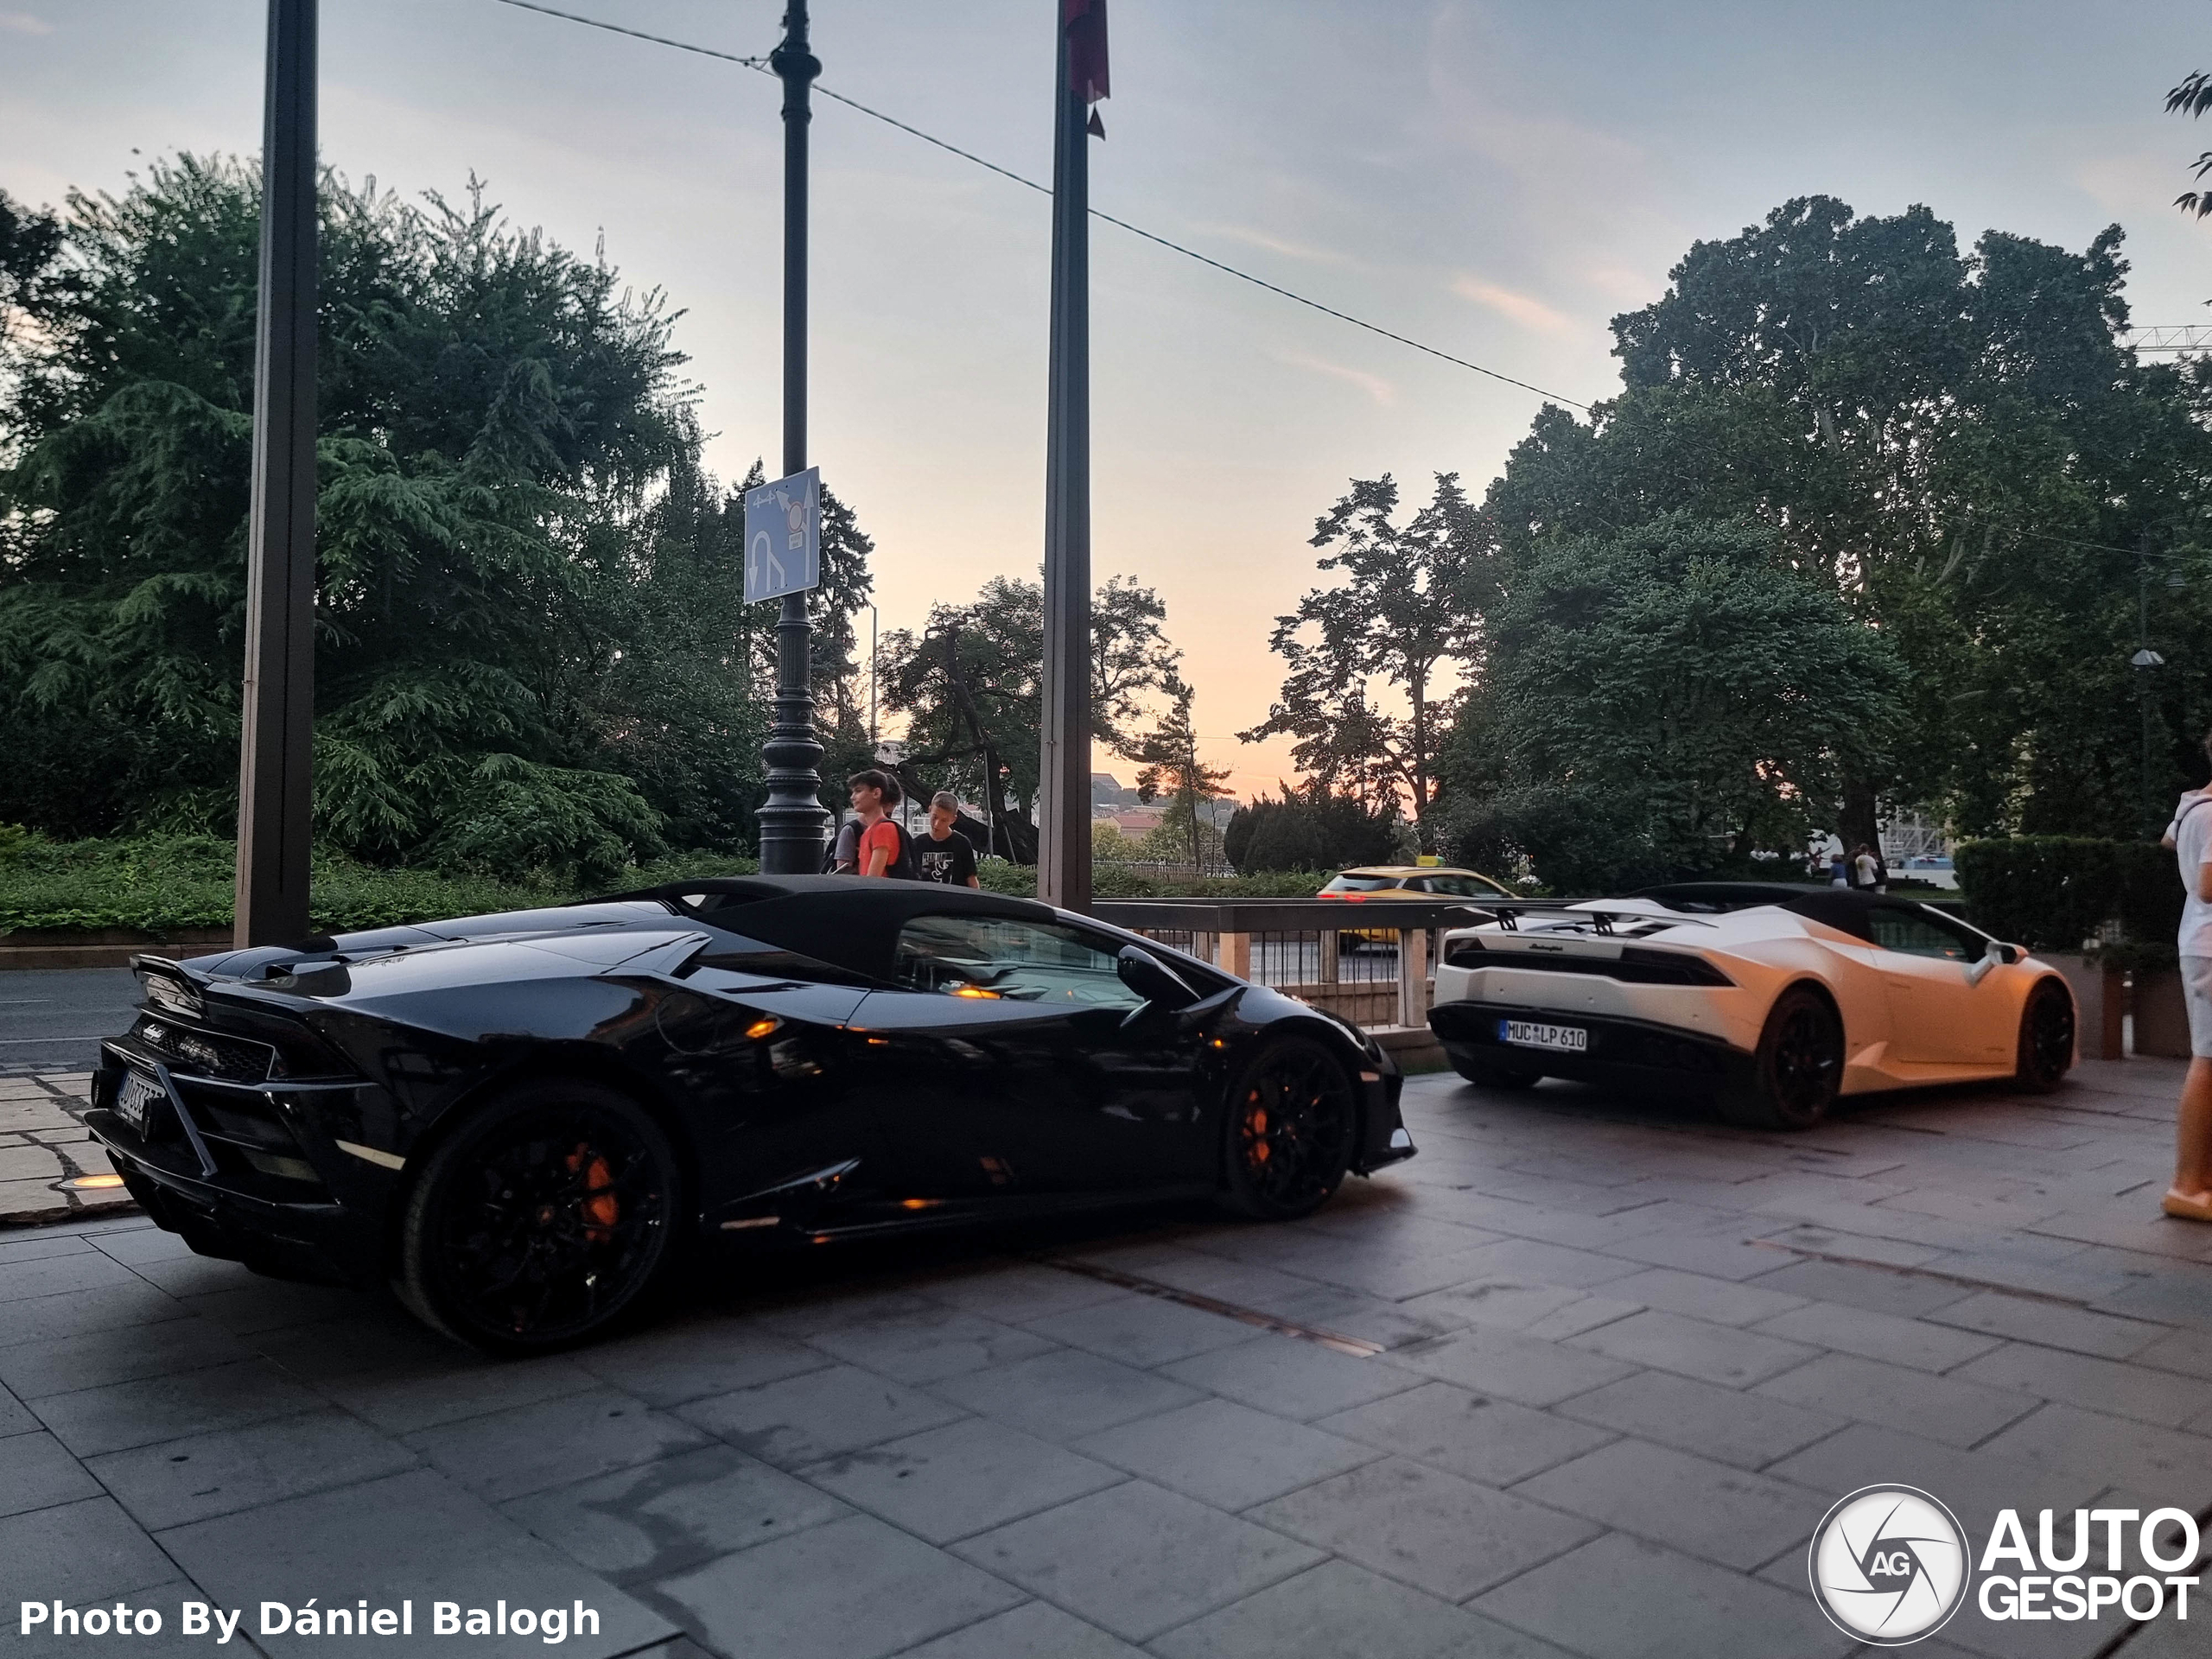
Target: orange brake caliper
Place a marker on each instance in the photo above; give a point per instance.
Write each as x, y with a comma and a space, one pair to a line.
1255, 1124
602, 1208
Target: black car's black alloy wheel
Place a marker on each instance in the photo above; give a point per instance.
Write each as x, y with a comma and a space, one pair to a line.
1290, 1127
542, 1221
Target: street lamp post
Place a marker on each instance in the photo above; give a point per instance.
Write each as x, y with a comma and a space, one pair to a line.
276, 739
791, 819
2146, 662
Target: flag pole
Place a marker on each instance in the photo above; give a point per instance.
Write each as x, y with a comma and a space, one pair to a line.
1063, 817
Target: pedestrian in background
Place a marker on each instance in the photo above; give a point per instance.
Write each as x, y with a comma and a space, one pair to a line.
945, 855
2191, 1196
884, 848
1839, 868
1866, 873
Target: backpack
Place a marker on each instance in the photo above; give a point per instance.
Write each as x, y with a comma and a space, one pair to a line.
902, 867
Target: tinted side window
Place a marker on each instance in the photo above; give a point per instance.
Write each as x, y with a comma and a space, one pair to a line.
1020, 962
1917, 934
1359, 884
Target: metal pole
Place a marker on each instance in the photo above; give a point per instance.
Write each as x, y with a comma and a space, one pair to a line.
276, 739
1063, 812
792, 820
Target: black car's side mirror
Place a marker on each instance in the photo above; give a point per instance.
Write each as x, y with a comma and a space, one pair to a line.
1152, 979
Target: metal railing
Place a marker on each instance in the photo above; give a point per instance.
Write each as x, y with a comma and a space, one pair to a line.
1366, 961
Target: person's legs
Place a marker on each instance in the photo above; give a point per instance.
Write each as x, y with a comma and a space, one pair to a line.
2191, 1196
2193, 1143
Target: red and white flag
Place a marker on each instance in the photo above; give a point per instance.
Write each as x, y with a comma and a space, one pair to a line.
1084, 23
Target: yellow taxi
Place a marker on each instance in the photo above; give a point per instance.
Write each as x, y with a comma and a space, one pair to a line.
1381, 883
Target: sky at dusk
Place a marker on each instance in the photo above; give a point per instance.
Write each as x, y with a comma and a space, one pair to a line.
1496, 179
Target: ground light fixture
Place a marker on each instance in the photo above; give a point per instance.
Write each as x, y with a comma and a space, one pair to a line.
89, 1183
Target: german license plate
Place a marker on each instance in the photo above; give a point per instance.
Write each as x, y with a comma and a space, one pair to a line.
135, 1099
1535, 1034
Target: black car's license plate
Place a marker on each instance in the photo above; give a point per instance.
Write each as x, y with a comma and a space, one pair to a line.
135, 1097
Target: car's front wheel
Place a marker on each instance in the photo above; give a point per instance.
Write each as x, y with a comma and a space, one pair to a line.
1289, 1131
541, 1220
1798, 1069
2046, 1052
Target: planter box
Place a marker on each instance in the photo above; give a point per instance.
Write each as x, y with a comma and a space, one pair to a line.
2161, 1015
108, 947
2098, 1002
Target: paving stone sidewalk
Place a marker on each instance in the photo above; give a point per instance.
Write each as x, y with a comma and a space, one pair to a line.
1623, 1358
42, 1144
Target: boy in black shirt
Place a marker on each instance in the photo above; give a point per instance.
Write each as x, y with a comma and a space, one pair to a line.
945, 855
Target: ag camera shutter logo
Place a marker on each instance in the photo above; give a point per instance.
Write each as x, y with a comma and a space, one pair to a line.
1889, 1566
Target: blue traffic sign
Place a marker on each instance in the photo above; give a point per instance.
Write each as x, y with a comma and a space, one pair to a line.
783, 537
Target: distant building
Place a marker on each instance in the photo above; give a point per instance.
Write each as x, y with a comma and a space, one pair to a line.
1136, 821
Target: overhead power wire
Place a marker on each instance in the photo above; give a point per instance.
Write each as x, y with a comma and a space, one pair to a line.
761, 66
639, 34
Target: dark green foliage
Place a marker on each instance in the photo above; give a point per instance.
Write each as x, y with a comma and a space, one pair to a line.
2053, 893
1112, 880
532, 651
1404, 616
1959, 446
163, 883
1660, 702
971, 686
1172, 771
1311, 830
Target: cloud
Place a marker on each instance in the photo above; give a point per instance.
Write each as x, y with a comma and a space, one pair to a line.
1373, 384
22, 22
1619, 282
1529, 313
1273, 244
2128, 183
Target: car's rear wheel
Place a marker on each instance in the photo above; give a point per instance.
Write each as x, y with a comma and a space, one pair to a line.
1492, 1074
1798, 1068
541, 1221
2046, 1052
1289, 1131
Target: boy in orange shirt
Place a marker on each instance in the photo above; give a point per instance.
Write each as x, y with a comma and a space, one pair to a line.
884, 847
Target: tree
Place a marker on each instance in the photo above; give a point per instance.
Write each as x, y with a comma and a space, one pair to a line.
970, 684
1680, 690
1401, 617
1962, 449
530, 648
1311, 829
2192, 98
1172, 771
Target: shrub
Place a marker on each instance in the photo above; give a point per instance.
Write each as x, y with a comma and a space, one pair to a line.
2054, 891
162, 884
1312, 830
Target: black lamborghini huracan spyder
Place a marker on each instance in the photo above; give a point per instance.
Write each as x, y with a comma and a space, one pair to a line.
517, 1120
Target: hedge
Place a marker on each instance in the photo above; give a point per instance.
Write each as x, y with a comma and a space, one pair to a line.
165, 884
1112, 880
2055, 893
